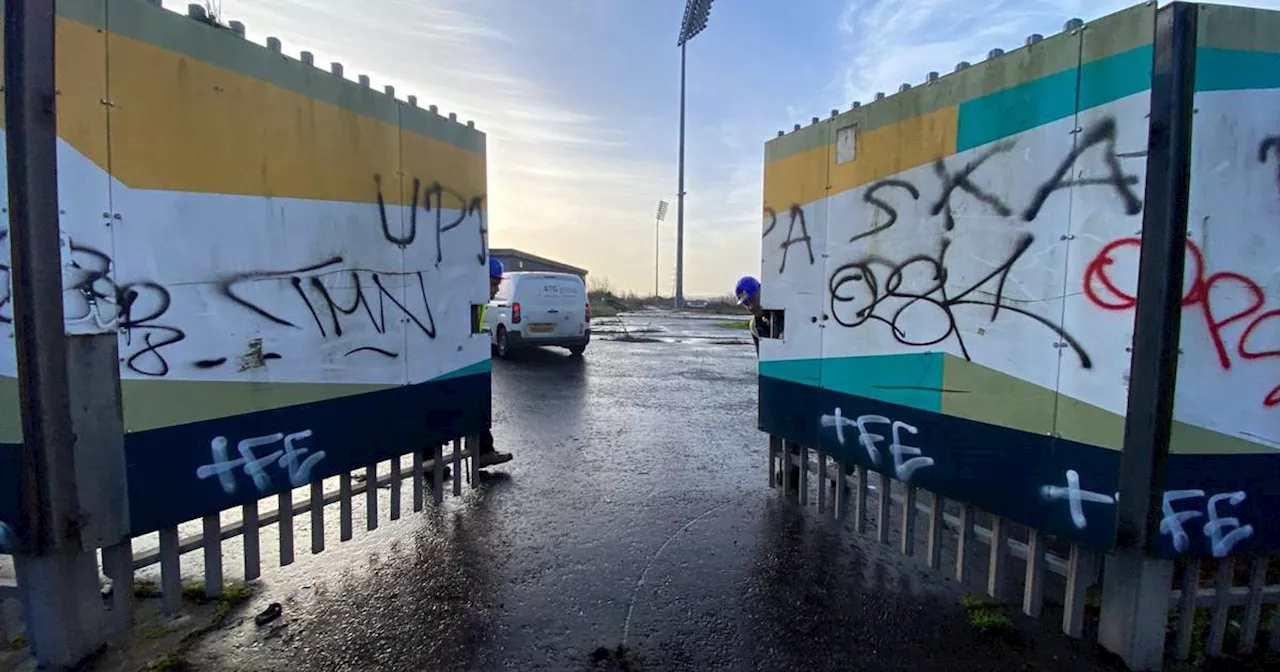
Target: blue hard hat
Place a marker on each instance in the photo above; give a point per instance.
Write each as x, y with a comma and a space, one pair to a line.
746, 288
495, 268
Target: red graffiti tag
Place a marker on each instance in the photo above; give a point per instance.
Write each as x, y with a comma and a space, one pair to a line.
1103, 292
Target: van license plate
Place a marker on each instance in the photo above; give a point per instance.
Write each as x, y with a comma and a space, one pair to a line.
541, 328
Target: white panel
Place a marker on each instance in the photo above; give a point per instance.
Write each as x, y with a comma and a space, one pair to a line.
1230, 364
212, 286
1103, 213
458, 281
84, 213
792, 279
993, 296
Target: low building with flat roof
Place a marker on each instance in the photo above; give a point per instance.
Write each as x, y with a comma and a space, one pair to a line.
515, 261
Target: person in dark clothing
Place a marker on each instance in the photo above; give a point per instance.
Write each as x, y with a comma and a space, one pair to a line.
747, 292
489, 456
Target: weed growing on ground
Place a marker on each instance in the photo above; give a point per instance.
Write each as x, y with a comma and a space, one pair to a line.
224, 604
144, 589
986, 616
990, 622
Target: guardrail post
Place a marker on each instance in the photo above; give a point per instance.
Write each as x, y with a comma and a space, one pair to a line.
72, 468
1136, 585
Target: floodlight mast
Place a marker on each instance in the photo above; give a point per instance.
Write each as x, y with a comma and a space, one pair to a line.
696, 13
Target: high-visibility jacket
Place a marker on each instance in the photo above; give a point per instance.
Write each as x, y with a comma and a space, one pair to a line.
484, 329
759, 325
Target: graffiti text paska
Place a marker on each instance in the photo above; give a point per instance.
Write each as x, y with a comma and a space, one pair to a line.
914, 295
1101, 137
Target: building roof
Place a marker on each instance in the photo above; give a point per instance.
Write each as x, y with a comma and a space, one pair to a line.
508, 252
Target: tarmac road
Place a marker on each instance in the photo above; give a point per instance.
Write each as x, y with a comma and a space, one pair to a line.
636, 511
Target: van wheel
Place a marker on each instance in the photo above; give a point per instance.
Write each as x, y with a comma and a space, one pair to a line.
502, 347
577, 350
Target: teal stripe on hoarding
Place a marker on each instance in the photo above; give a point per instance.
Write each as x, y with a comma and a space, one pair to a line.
470, 370
913, 380
1236, 70
1021, 108
803, 371
1114, 77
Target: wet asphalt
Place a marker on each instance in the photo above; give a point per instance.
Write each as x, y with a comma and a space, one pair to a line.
636, 512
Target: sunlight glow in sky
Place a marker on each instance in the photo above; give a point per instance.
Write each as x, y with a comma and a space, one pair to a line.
579, 100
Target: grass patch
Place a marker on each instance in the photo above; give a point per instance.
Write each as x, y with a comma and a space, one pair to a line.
986, 615
232, 597
193, 591
990, 622
144, 589
743, 325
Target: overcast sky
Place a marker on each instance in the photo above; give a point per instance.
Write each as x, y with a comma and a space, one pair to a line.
580, 99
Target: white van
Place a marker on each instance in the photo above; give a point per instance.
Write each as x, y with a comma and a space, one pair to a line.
533, 308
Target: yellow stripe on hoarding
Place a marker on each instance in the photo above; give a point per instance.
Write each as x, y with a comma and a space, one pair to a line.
879, 153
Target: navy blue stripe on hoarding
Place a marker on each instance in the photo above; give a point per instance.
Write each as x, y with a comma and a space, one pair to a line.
184, 472
1007, 472
1025, 477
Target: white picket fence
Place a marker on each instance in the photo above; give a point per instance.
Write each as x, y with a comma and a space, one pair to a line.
1234, 599
167, 548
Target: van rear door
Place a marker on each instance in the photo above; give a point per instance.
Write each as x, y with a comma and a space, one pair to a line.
554, 305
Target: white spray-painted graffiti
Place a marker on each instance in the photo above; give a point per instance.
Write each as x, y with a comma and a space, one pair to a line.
1220, 543
903, 469
299, 472
1223, 533
1076, 497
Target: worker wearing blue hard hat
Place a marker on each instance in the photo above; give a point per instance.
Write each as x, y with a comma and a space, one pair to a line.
489, 456
747, 292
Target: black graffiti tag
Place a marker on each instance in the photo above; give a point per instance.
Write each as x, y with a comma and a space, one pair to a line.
960, 180
311, 276
432, 201
1103, 132
869, 196
797, 215
1271, 145
857, 294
